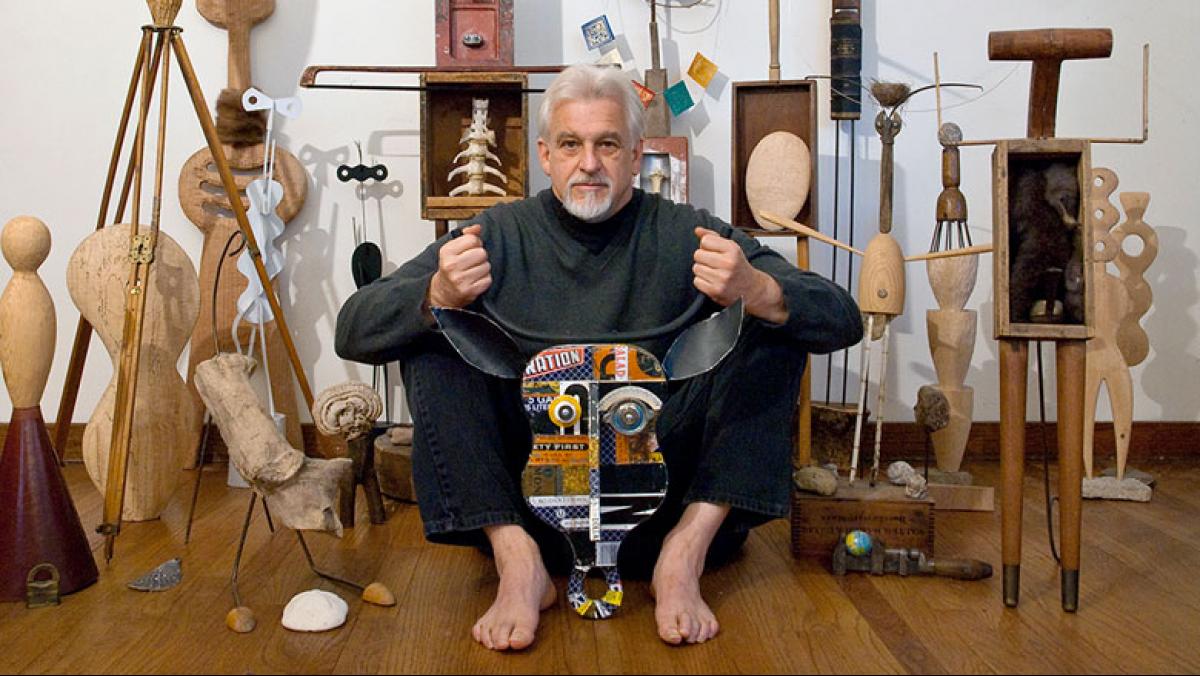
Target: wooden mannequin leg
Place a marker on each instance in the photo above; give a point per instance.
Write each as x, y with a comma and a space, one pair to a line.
1014, 368
1071, 377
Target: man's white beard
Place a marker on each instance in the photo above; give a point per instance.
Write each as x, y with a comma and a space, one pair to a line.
592, 208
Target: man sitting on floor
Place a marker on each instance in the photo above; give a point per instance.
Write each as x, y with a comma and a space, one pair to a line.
594, 255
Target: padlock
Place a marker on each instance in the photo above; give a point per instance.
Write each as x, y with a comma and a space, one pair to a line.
41, 593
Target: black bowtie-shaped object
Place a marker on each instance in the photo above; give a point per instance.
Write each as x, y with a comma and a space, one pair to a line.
362, 173
595, 470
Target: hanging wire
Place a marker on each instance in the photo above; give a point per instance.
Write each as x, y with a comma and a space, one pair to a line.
1046, 457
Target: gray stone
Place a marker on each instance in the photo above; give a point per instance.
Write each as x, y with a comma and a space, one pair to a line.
1110, 488
932, 410
898, 472
815, 480
1130, 473
915, 487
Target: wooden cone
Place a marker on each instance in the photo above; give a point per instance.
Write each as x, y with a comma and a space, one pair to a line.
950, 442
38, 521
40, 524
164, 11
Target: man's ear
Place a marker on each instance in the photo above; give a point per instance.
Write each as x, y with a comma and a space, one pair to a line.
637, 156
543, 150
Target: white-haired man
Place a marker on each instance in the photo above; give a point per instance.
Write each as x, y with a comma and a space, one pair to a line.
594, 255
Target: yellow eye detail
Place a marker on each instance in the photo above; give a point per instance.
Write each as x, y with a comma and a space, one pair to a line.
564, 410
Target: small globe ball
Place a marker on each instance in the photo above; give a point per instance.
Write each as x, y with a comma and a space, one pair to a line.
858, 543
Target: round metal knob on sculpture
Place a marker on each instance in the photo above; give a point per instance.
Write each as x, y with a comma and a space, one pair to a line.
40, 524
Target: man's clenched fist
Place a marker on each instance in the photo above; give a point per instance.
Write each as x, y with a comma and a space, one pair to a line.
463, 271
723, 274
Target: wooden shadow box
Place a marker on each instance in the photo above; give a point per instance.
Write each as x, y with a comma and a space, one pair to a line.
760, 108
1013, 164
666, 157
446, 105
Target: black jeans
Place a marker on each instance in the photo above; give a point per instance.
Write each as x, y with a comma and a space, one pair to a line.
726, 437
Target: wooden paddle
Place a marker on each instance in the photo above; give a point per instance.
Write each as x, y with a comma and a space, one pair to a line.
237, 17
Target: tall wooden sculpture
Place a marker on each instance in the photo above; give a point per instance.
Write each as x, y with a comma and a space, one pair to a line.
160, 435
1121, 302
39, 523
1044, 281
951, 327
208, 208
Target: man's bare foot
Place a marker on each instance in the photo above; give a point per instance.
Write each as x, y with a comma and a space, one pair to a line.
680, 611
525, 590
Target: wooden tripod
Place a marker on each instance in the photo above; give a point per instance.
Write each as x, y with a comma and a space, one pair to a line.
154, 56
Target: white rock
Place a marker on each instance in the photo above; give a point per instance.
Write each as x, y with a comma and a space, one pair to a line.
315, 610
1110, 488
898, 472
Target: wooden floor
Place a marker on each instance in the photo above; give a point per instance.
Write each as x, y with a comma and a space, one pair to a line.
1140, 603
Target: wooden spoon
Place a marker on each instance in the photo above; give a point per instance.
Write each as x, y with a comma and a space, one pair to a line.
237, 17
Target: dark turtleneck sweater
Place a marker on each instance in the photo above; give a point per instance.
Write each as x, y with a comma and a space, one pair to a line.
556, 279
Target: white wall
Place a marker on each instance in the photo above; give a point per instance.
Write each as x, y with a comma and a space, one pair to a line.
67, 65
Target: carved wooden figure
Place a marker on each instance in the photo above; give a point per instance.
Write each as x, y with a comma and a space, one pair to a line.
951, 328
207, 207
1120, 303
39, 523
163, 413
1047, 49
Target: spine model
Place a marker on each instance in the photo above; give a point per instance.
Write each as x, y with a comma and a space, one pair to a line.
478, 139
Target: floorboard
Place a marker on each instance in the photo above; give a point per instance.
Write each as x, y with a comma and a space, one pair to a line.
1140, 603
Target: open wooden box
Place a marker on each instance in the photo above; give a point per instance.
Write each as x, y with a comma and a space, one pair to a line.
760, 108
667, 155
446, 115
1010, 159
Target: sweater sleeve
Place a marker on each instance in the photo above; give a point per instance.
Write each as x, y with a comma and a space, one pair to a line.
822, 316
379, 320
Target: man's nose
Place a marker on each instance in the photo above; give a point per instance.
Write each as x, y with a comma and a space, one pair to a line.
590, 162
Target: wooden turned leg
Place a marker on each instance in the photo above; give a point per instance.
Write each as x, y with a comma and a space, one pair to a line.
1071, 377
1014, 367
804, 419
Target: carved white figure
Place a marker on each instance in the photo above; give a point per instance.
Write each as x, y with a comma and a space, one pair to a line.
478, 138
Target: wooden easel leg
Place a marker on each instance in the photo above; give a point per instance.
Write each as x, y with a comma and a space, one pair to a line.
83, 330
1014, 368
1071, 373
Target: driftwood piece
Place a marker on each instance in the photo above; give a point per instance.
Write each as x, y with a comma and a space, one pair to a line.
303, 492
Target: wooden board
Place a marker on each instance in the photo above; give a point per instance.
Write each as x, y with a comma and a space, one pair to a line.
818, 522
950, 497
446, 114
1077, 151
760, 108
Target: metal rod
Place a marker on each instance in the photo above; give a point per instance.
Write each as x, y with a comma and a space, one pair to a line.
1046, 454
237, 559
850, 259
320, 573
837, 156
864, 373
887, 329
201, 454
